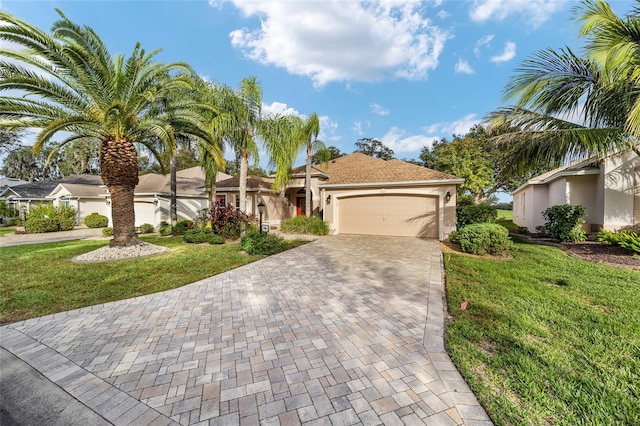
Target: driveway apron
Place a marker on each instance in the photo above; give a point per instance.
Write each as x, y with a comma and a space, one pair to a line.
344, 330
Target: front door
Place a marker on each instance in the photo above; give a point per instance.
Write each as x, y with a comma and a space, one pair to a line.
301, 209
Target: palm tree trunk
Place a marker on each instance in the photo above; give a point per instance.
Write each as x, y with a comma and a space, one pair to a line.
119, 171
123, 216
174, 201
307, 181
244, 165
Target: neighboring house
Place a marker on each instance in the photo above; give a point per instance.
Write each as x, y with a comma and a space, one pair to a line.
87, 195
609, 189
8, 181
22, 197
359, 194
152, 196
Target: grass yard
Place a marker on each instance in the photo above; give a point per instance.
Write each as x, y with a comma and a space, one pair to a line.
7, 230
40, 279
546, 338
505, 214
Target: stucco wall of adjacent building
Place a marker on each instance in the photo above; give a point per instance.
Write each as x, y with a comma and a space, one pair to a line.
620, 189
581, 190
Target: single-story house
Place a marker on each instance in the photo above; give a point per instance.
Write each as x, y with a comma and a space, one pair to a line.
87, 195
608, 188
152, 196
359, 194
22, 197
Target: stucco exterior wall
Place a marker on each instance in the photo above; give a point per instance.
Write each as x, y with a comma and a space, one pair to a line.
581, 190
558, 193
528, 205
620, 190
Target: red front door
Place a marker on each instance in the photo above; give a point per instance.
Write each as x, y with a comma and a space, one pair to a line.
300, 207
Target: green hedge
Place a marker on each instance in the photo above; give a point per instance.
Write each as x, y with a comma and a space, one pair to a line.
95, 220
146, 228
39, 225
467, 212
564, 222
305, 225
483, 238
107, 232
263, 244
202, 235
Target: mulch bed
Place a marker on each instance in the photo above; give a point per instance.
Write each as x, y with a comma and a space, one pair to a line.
591, 251
595, 252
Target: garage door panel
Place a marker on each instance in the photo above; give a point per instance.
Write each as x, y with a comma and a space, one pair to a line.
401, 215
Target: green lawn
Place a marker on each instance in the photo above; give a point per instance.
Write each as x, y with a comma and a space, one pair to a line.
505, 214
40, 279
7, 230
546, 338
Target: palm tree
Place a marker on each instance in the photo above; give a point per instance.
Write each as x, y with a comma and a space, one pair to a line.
601, 89
238, 125
69, 82
307, 138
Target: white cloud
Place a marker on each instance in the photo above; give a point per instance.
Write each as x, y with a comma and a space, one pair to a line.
328, 129
280, 108
463, 67
457, 127
535, 12
395, 140
342, 41
507, 54
378, 109
482, 42
443, 14
437, 3
357, 128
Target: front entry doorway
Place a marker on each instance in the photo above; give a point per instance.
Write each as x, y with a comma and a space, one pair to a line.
301, 209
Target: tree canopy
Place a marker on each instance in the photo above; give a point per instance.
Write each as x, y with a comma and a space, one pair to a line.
374, 148
570, 106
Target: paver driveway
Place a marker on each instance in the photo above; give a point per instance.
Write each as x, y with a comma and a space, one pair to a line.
344, 330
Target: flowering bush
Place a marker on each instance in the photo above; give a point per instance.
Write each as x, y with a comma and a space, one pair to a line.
227, 221
47, 218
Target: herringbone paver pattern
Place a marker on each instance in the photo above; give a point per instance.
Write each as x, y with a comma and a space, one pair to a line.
345, 330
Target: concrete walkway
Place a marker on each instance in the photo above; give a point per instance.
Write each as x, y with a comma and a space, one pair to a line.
79, 233
331, 333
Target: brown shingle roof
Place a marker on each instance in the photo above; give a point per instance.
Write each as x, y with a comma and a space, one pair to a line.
188, 181
252, 182
360, 168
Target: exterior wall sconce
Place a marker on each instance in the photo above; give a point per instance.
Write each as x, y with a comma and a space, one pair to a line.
447, 197
108, 201
328, 198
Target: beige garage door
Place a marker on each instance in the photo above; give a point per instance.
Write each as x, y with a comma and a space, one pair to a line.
401, 215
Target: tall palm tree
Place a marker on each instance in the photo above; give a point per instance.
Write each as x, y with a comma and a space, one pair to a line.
238, 125
306, 137
69, 82
569, 106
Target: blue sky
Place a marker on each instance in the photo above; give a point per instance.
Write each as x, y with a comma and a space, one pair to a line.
404, 72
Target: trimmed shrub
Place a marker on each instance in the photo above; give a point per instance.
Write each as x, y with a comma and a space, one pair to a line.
628, 240
146, 228
483, 238
182, 226
95, 220
165, 230
66, 224
47, 218
196, 236
262, 244
39, 225
216, 239
563, 222
305, 225
467, 212
107, 232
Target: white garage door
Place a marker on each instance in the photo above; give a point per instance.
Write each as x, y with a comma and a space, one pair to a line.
401, 215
